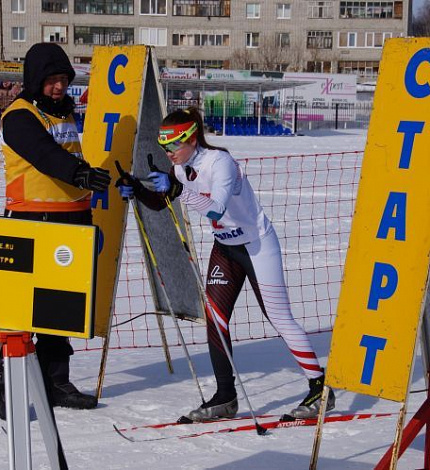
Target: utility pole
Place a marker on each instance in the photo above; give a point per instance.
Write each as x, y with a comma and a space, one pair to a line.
1, 31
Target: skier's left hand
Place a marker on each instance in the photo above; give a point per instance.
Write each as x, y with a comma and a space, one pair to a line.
161, 181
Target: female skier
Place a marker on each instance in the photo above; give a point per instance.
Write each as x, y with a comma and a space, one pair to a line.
207, 179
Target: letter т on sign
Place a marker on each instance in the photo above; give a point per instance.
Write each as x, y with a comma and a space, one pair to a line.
386, 270
114, 103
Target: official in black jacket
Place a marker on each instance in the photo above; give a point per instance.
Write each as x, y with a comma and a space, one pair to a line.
47, 179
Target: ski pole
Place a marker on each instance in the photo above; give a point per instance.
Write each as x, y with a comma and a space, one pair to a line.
163, 287
260, 429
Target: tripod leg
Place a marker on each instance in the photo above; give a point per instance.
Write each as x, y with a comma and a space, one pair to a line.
45, 416
17, 413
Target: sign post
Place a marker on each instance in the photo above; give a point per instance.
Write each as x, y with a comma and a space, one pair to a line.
125, 107
49, 271
386, 271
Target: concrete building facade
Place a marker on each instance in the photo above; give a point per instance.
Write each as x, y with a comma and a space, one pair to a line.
333, 36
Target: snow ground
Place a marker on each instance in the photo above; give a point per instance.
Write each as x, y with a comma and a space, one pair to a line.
139, 390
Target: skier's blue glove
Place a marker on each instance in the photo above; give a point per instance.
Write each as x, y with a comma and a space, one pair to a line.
161, 181
128, 185
126, 192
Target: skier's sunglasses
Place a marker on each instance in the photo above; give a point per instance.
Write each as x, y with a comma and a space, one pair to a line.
172, 146
171, 138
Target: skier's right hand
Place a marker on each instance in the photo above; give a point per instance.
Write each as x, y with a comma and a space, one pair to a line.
128, 185
126, 192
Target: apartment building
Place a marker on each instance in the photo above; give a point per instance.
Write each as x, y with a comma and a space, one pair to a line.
334, 36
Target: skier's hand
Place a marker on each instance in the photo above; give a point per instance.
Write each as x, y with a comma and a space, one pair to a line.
126, 192
128, 185
161, 181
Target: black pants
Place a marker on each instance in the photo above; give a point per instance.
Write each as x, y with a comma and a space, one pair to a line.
228, 268
53, 352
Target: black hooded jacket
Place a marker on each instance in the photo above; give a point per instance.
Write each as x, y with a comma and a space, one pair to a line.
24, 133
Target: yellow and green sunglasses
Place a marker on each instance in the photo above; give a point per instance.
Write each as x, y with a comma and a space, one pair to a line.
171, 137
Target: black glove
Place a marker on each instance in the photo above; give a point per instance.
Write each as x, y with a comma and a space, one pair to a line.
94, 179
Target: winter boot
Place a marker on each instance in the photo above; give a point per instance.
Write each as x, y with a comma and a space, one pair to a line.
68, 396
221, 405
310, 406
59, 389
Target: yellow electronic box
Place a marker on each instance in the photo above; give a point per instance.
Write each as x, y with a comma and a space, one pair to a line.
48, 277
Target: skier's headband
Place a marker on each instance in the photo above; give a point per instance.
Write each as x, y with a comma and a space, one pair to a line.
176, 132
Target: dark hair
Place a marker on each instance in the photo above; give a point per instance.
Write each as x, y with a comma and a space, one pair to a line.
181, 116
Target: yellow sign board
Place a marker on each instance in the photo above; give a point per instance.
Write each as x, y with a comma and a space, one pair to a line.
47, 274
7, 66
114, 99
386, 270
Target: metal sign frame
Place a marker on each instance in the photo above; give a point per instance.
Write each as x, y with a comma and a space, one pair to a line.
381, 312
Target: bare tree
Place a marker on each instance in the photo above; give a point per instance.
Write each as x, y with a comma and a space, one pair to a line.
295, 56
421, 21
240, 59
269, 56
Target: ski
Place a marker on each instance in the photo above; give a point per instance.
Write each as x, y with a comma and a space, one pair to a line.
276, 424
181, 423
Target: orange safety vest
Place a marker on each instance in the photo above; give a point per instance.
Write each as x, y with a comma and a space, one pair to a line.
27, 189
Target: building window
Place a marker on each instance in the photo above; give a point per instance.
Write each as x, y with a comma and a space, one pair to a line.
319, 66
82, 60
103, 36
203, 64
398, 10
217, 8
283, 11
18, 6
153, 36
252, 39
252, 10
60, 6
200, 39
368, 69
54, 34
153, 7
319, 40
362, 39
18, 34
104, 7
320, 10
351, 40
376, 39
283, 40
354, 9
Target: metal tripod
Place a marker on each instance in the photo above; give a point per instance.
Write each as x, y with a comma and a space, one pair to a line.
23, 375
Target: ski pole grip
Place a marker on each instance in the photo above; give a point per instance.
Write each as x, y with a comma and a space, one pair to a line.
152, 166
122, 174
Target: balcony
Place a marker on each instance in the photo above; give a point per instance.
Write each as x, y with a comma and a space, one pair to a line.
215, 8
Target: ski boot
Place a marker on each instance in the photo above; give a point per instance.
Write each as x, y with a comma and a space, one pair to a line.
219, 406
310, 406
